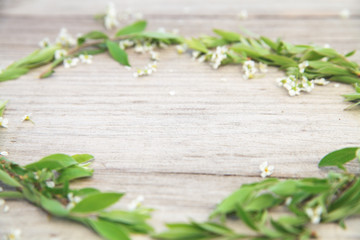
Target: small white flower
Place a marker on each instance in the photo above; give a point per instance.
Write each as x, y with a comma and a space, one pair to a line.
27, 118
3, 153
202, 58
288, 201
282, 81
70, 62
13, 235
50, 184
4, 122
136, 203
263, 67
65, 39
44, 43
326, 45
336, 85
73, 200
110, 22
181, 48
250, 69
321, 81
306, 85
126, 43
325, 59
111, 10
294, 89
86, 58
314, 214
265, 169
303, 65
243, 14
345, 13
154, 55
6, 208
172, 93
60, 53
195, 54
139, 48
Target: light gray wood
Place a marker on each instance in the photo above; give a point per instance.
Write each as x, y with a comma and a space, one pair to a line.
185, 152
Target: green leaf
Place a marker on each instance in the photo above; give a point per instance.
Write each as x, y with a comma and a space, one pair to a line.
74, 172
339, 157
109, 230
238, 197
197, 45
349, 54
117, 53
269, 42
92, 35
285, 188
215, 228
228, 36
12, 73
11, 195
2, 107
81, 158
53, 206
85, 191
136, 27
182, 232
8, 180
53, 162
245, 217
124, 216
159, 36
262, 202
96, 202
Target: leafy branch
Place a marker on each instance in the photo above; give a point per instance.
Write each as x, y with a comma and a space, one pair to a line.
45, 183
308, 200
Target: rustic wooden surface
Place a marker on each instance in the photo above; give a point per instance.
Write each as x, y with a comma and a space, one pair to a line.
186, 152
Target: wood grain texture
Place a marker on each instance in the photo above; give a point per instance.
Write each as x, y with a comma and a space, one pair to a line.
185, 152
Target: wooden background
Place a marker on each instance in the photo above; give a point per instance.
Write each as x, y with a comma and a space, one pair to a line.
185, 152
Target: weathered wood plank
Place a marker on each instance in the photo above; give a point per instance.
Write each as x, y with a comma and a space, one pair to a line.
186, 152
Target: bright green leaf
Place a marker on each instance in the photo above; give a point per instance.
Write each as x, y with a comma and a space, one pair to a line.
96, 202
117, 53
339, 157
53, 162
136, 27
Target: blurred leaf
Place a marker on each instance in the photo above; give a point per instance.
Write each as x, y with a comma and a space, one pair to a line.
52, 162
109, 230
339, 157
8, 180
91, 35
96, 202
81, 158
117, 53
136, 27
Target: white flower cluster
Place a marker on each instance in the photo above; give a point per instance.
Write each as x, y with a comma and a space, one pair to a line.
148, 70
314, 214
215, 58
123, 44
136, 203
15, 234
65, 39
250, 69
130, 15
4, 122
73, 200
295, 86
72, 62
218, 56
110, 18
